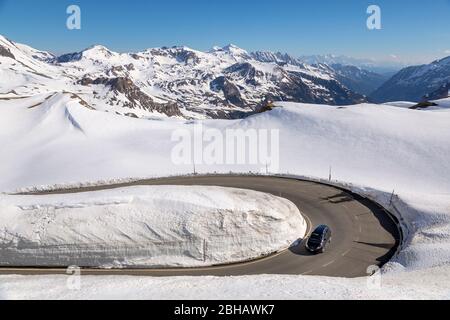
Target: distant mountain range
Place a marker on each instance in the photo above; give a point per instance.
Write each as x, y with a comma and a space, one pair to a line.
225, 82
386, 68
416, 83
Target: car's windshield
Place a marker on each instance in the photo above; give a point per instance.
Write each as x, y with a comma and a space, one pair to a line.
316, 237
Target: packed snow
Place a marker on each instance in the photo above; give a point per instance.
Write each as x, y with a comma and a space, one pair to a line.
394, 285
372, 149
440, 104
149, 226
401, 104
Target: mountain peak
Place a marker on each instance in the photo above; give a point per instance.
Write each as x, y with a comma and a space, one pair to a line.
97, 47
232, 50
4, 41
231, 46
228, 48
445, 60
99, 50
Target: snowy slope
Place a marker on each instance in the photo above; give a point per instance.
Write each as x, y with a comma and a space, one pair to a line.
381, 146
420, 285
443, 103
146, 227
53, 139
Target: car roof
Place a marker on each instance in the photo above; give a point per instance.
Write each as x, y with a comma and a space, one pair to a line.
321, 228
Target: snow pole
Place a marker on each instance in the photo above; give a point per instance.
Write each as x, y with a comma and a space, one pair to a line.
392, 197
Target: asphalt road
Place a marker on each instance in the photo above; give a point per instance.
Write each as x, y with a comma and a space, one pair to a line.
363, 234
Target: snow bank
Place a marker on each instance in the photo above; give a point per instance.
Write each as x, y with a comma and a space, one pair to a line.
443, 103
146, 227
401, 104
395, 285
383, 147
373, 149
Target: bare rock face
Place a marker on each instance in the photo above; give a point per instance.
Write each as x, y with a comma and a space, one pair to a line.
187, 57
5, 52
230, 91
295, 89
136, 98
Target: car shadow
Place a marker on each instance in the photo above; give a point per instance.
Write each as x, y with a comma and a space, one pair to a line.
377, 245
339, 198
298, 248
388, 224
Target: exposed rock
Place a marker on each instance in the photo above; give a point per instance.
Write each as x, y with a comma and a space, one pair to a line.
230, 91
5, 52
137, 98
423, 105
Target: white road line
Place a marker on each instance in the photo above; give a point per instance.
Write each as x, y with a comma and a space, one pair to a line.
308, 222
329, 263
307, 272
345, 253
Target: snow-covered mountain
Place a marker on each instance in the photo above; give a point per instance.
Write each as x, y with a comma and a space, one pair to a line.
380, 67
358, 79
442, 92
415, 83
347, 73
225, 82
335, 59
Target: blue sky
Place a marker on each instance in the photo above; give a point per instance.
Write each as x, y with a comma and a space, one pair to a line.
413, 30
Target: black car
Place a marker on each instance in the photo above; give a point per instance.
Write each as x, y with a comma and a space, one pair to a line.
319, 239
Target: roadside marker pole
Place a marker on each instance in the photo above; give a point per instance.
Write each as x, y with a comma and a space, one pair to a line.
392, 197
204, 250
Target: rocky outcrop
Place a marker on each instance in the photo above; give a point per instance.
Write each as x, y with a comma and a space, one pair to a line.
136, 98
230, 91
5, 52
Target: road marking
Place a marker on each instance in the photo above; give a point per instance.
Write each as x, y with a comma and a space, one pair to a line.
329, 263
345, 253
307, 272
308, 222
364, 214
